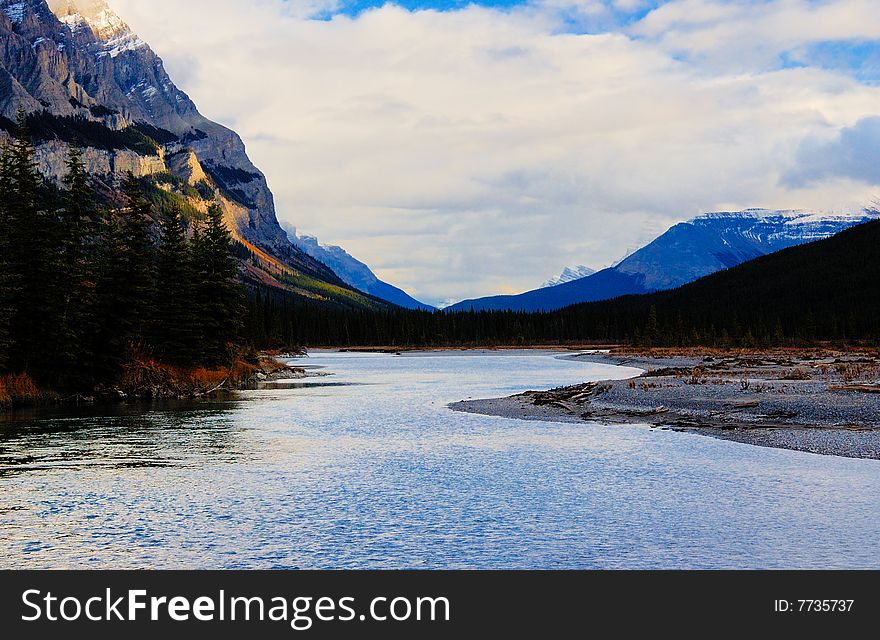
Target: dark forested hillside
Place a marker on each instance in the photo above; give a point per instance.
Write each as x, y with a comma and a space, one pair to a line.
826, 290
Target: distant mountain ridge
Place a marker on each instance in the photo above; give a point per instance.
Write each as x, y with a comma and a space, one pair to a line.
354, 272
686, 252
817, 291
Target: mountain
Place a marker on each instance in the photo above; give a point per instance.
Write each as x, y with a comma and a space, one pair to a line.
83, 77
569, 274
688, 251
804, 295
354, 272
823, 290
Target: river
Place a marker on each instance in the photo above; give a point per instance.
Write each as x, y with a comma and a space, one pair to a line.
368, 468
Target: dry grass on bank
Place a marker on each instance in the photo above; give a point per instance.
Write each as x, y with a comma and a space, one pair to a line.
148, 378
144, 378
20, 389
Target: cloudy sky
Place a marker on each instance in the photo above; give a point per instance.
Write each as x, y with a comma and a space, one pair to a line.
465, 149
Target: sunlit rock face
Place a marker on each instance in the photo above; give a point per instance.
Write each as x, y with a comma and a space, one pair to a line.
51, 160
96, 15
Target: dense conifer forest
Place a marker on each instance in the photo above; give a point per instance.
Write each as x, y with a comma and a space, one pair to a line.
88, 286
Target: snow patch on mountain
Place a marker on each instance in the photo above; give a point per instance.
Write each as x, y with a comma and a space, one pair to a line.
121, 44
15, 11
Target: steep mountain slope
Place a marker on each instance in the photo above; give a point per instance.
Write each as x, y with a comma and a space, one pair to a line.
688, 251
355, 273
85, 78
569, 274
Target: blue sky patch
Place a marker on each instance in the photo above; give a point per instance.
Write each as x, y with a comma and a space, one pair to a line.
859, 59
355, 7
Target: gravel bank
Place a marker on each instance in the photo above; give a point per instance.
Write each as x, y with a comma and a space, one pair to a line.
826, 403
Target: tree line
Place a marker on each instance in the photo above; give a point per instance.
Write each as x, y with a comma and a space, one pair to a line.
87, 286
824, 291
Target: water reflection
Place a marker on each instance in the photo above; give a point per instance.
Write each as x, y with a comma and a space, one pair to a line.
158, 434
299, 384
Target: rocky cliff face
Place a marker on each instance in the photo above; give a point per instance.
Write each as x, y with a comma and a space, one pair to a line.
51, 157
79, 62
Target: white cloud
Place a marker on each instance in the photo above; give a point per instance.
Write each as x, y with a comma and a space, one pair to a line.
477, 151
747, 33
852, 153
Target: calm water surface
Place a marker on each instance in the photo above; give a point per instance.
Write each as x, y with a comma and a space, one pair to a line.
369, 469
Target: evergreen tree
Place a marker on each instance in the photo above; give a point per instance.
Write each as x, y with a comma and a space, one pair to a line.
33, 264
137, 238
78, 227
125, 277
652, 331
6, 279
218, 296
174, 332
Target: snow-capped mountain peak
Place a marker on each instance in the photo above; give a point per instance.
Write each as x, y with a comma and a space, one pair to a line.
780, 216
776, 229
111, 31
755, 214
569, 274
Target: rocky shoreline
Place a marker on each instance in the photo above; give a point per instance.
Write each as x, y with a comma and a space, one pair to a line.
826, 403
